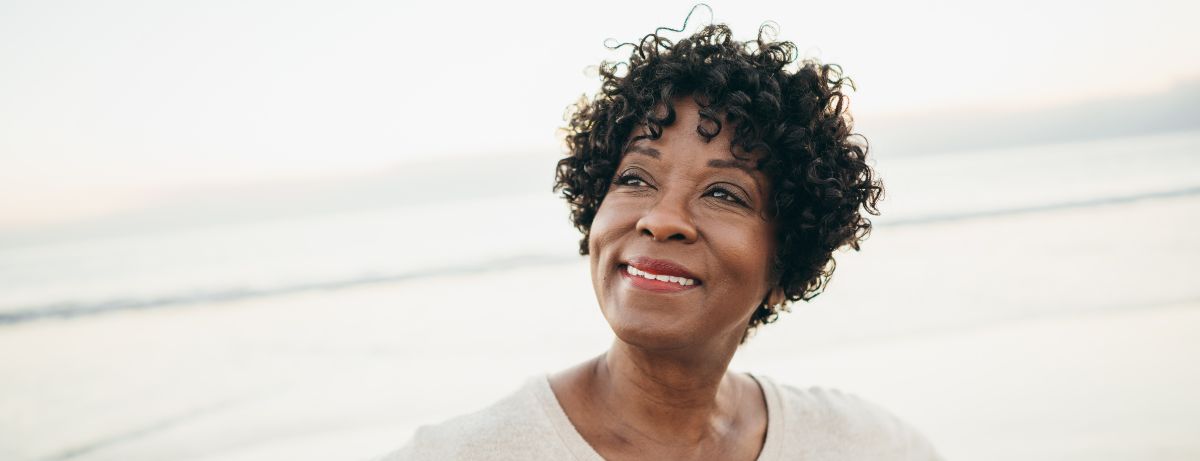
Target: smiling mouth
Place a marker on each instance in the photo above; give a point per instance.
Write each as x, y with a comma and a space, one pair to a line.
657, 275
682, 281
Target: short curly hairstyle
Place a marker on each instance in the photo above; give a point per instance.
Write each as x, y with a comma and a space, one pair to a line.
793, 111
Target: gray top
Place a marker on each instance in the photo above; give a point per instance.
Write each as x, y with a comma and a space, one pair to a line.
809, 424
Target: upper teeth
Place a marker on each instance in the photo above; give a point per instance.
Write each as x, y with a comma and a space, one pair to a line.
662, 278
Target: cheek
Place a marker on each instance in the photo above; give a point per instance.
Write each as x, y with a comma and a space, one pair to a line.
599, 232
765, 255
748, 251
601, 236
608, 225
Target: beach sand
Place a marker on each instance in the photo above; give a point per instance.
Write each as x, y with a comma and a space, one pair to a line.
1040, 336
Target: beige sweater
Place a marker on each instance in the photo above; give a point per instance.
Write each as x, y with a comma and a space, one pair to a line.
805, 424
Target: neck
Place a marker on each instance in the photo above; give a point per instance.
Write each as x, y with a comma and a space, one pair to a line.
674, 398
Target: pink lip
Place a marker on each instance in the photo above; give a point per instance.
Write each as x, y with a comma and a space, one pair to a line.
660, 267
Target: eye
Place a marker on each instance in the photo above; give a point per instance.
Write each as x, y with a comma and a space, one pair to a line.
721, 193
630, 178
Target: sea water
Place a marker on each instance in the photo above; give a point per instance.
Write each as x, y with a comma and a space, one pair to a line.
464, 217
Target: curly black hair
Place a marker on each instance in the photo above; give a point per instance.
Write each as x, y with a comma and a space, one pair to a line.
793, 111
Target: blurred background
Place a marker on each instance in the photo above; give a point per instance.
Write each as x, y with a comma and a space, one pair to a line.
267, 230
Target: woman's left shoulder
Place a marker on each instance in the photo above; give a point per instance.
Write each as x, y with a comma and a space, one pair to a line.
845, 424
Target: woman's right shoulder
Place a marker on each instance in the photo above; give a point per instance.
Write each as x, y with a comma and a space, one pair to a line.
514, 427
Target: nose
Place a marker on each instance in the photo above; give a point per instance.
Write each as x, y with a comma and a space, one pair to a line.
668, 220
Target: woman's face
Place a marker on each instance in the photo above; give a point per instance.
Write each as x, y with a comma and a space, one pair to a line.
690, 212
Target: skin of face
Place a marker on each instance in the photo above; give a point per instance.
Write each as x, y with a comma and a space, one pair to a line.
692, 203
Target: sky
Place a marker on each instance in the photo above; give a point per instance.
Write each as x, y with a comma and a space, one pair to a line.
109, 105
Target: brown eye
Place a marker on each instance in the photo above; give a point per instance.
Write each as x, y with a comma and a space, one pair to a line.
631, 179
723, 194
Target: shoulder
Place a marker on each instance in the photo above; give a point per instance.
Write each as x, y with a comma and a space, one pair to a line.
844, 426
514, 427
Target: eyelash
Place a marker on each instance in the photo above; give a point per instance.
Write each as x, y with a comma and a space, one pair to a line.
626, 178
733, 198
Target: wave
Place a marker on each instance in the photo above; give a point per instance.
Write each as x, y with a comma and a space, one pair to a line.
78, 309
1095, 202
73, 309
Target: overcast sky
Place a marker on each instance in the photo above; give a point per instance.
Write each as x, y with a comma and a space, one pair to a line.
105, 104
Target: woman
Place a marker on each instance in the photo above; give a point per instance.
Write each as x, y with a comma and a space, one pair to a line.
712, 180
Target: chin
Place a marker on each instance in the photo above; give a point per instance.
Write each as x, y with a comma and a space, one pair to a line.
644, 333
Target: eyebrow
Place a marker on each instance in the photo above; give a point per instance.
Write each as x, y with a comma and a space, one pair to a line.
741, 165
714, 163
645, 150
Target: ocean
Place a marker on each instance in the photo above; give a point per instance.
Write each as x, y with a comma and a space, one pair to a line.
495, 214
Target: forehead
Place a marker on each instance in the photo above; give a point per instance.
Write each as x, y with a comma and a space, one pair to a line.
681, 143
684, 135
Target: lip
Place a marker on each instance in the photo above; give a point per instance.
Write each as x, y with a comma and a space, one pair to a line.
660, 267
